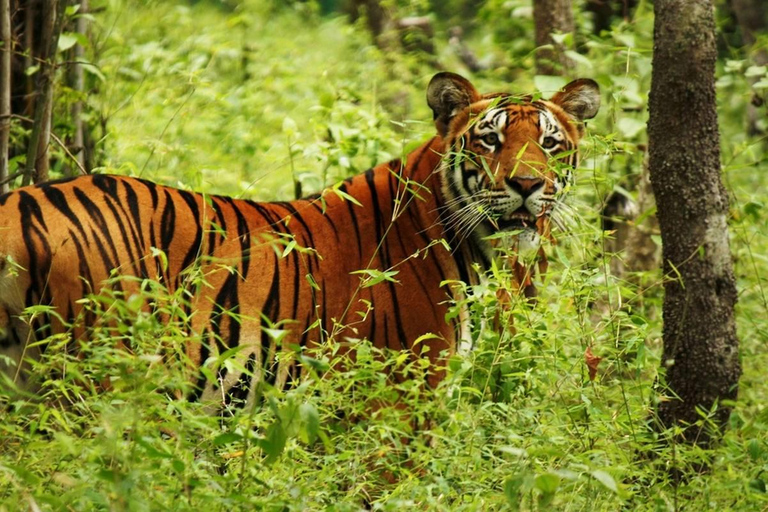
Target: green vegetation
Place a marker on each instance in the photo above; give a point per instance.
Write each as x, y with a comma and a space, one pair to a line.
242, 101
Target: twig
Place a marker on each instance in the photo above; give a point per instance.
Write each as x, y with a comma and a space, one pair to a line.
66, 150
12, 177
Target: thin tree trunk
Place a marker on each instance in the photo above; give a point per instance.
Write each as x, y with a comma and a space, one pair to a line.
752, 16
78, 85
5, 91
700, 359
550, 17
377, 19
642, 253
30, 16
37, 152
605, 11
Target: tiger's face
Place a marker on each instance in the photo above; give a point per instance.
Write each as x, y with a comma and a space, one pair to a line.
508, 160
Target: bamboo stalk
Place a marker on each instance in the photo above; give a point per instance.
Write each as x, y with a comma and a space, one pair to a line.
37, 151
5, 91
78, 85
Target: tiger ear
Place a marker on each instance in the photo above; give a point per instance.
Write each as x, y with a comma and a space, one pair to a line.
580, 99
448, 94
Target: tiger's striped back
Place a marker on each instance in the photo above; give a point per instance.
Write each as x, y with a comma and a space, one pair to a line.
71, 234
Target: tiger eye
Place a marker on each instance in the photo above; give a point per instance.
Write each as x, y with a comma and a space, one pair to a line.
548, 143
491, 139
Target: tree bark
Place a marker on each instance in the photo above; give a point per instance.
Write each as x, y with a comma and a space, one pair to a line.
550, 17
5, 91
700, 358
37, 152
78, 85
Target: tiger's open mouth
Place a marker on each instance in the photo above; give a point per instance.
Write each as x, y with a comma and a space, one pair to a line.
519, 219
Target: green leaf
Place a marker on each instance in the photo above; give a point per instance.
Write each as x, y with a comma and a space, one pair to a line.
290, 128
23, 474
317, 365
564, 38
310, 422
548, 84
547, 483
755, 449
627, 40
274, 443
376, 276
758, 485
753, 71
178, 466
733, 66
151, 451
579, 58
753, 208
66, 41
516, 486
311, 280
605, 479
226, 438
110, 475
630, 127
276, 335
344, 196
93, 70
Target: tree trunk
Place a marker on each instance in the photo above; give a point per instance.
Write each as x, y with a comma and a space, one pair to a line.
5, 91
550, 17
642, 253
78, 85
377, 19
752, 16
37, 152
700, 346
605, 11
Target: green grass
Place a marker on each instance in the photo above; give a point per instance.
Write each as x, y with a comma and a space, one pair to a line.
516, 424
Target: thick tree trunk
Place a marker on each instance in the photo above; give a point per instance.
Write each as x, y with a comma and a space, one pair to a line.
701, 356
5, 91
37, 152
550, 17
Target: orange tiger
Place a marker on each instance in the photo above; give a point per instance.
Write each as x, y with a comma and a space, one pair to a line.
426, 217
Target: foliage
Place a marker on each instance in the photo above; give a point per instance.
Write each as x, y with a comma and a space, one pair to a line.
242, 98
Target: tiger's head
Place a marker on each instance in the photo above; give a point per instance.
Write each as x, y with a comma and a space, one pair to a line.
508, 160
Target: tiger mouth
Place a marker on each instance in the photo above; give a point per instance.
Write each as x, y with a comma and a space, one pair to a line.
519, 219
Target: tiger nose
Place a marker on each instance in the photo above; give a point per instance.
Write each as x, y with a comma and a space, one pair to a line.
525, 185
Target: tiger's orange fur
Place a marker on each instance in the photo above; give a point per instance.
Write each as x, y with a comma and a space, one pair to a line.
60, 241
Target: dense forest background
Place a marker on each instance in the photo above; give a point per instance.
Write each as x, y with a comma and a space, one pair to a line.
268, 98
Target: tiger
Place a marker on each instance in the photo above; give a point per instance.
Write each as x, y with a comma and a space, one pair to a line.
413, 223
